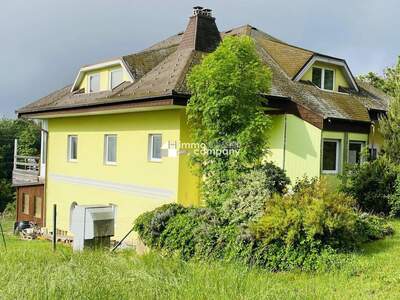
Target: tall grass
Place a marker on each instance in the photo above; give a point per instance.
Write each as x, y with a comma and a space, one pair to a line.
30, 270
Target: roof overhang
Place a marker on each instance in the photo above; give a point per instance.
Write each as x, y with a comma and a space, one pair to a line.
330, 60
106, 64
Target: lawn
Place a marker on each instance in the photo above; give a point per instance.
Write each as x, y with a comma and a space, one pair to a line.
30, 270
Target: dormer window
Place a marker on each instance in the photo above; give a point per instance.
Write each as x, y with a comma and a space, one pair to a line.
94, 83
115, 78
323, 78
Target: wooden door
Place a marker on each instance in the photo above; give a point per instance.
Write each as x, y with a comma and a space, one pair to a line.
30, 204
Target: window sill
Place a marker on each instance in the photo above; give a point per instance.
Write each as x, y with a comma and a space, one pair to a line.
330, 172
155, 160
110, 164
74, 161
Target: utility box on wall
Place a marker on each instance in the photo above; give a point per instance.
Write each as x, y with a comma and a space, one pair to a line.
92, 225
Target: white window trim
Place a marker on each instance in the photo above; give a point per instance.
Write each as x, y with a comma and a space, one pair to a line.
88, 82
110, 76
336, 171
333, 61
70, 137
362, 143
323, 78
150, 154
106, 161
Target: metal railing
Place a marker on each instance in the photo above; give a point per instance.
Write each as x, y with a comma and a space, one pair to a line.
26, 168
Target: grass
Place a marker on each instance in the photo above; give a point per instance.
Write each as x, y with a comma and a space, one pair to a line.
30, 270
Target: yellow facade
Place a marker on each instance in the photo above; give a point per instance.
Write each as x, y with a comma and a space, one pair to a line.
104, 77
295, 146
340, 79
134, 184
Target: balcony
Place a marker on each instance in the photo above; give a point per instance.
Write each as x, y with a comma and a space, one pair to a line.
26, 169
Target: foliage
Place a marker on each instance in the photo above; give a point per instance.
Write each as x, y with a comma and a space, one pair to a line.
389, 126
394, 199
7, 194
225, 114
304, 230
28, 136
10, 210
388, 83
310, 215
253, 190
371, 183
370, 227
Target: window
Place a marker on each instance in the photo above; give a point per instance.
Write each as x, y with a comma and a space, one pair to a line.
94, 83
25, 204
155, 141
317, 76
115, 78
323, 78
110, 146
72, 148
355, 149
37, 207
330, 157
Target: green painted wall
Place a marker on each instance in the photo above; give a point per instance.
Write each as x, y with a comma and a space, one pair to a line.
298, 149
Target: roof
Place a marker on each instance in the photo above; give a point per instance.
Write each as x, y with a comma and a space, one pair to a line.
160, 71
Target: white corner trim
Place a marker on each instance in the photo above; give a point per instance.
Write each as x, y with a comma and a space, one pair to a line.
110, 63
137, 190
332, 61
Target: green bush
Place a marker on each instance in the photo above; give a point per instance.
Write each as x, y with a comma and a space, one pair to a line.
252, 191
394, 199
304, 230
310, 214
371, 184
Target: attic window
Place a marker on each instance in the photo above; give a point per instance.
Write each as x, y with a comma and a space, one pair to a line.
115, 78
323, 78
94, 83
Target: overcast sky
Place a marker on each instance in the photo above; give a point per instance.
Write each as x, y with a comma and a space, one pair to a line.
44, 42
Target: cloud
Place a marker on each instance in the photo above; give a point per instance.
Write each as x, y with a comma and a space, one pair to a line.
44, 42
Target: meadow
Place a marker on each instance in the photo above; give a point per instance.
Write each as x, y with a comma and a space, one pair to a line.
30, 270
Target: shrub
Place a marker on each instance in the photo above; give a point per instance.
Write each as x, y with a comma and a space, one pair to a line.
308, 215
370, 227
394, 199
371, 184
253, 189
150, 225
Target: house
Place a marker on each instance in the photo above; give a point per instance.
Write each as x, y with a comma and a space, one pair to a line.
113, 136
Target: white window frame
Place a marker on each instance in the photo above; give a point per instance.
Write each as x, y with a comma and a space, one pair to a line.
336, 171
323, 78
151, 144
89, 85
110, 77
106, 161
362, 143
70, 137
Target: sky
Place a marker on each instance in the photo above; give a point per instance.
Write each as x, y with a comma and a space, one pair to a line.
43, 43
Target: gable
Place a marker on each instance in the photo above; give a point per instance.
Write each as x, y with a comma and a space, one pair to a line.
339, 78
105, 77
103, 73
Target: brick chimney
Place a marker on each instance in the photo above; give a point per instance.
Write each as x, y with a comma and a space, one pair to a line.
201, 33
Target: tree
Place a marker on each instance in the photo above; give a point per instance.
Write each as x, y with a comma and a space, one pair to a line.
28, 135
390, 124
226, 116
388, 82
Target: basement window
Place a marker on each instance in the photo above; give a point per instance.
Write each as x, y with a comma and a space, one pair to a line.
72, 148
355, 149
155, 142
323, 78
94, 83
330, 156
110, 149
